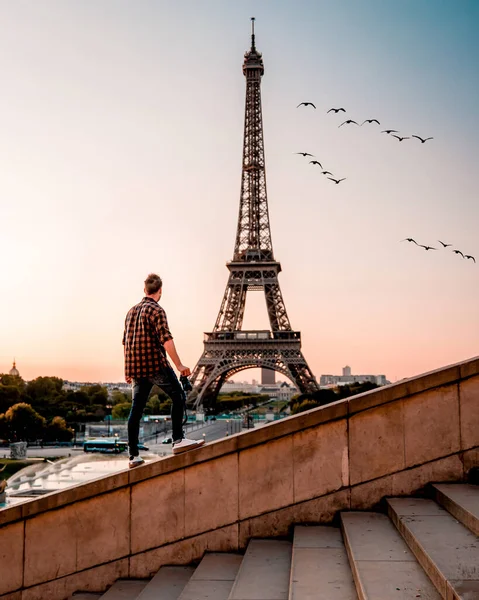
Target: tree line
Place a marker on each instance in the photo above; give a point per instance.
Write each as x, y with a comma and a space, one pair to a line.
302, 402
42, 410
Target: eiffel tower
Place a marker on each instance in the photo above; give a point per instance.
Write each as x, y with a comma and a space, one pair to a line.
229, 349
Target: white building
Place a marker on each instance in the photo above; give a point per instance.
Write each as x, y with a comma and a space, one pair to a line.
281, 389
347, 378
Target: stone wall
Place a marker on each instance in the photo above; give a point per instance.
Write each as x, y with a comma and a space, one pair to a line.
303, 469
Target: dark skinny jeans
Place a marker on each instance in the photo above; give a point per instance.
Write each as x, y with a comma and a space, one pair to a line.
168, 382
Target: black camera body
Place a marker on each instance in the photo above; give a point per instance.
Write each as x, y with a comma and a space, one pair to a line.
185, 382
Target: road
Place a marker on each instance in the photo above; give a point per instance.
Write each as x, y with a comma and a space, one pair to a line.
212, 431
209, 432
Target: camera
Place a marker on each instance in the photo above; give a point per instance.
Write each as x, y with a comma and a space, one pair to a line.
185, 382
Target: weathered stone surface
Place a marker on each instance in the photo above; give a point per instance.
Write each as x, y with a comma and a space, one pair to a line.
157, 511
280, 522
410, 480
366, 496
446, 549
126, 589
184, 552
266, 477
211, 494
431, 425
320, 457
167, 584
383, 566
18, 450
376, 442
77, 537
462, 501
11, 557
98, 578
75, 493
469, 404
320, 567
264, 572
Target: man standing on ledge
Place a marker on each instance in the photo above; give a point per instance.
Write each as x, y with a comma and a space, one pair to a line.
146, 338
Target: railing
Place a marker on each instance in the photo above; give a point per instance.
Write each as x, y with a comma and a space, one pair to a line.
221, 336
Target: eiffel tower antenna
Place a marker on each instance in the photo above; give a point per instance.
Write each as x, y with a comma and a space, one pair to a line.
229, 349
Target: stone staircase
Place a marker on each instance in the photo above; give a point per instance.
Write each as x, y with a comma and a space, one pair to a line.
423, 548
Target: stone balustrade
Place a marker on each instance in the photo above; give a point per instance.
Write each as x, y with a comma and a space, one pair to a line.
303, 469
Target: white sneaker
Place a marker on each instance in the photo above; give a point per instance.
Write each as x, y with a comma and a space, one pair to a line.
135, 461
186, 444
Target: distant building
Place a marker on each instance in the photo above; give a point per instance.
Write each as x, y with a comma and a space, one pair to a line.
268, 376
14, 371
347, 378
281, 389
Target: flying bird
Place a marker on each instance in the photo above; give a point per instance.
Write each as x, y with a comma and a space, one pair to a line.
370, 121
315, 162
348, 122
422, 139
458, 252
306, 104
304, 153
469, 256
326, 173
427, 247
400, 138
410, 240
390, 131
337, 180
336, 110
444, 245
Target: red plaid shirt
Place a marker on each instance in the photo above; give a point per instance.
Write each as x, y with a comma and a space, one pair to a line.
146, 330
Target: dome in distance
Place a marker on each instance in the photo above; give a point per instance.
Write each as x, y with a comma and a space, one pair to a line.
14, 371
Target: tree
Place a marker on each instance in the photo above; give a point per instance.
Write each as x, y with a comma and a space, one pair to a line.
57, 430
118, 397
97, 394
24, 422
121, 411
4, 431
9, 395
12, 380
302, 406
153, 406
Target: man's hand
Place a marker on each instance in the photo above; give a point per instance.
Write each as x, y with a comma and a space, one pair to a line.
184, 370
128, 380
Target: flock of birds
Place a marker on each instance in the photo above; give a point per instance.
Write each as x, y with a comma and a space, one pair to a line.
444, 245
391, 132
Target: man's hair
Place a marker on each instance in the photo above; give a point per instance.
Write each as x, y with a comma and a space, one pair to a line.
153, 283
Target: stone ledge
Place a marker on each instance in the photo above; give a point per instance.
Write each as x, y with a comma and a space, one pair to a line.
241, 441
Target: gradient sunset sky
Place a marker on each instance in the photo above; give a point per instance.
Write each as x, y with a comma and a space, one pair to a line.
121, 129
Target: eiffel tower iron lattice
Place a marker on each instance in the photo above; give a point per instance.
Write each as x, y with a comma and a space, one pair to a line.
228, 349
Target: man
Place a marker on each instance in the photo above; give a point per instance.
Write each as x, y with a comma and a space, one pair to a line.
146, 338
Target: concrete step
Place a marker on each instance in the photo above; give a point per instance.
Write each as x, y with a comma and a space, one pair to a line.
462, 501
264, 572
383, 566
125, 589
319, 566
167, 584
213, 578
446, 549
84, 596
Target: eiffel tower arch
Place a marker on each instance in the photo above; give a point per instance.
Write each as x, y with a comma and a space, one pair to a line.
229, 349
